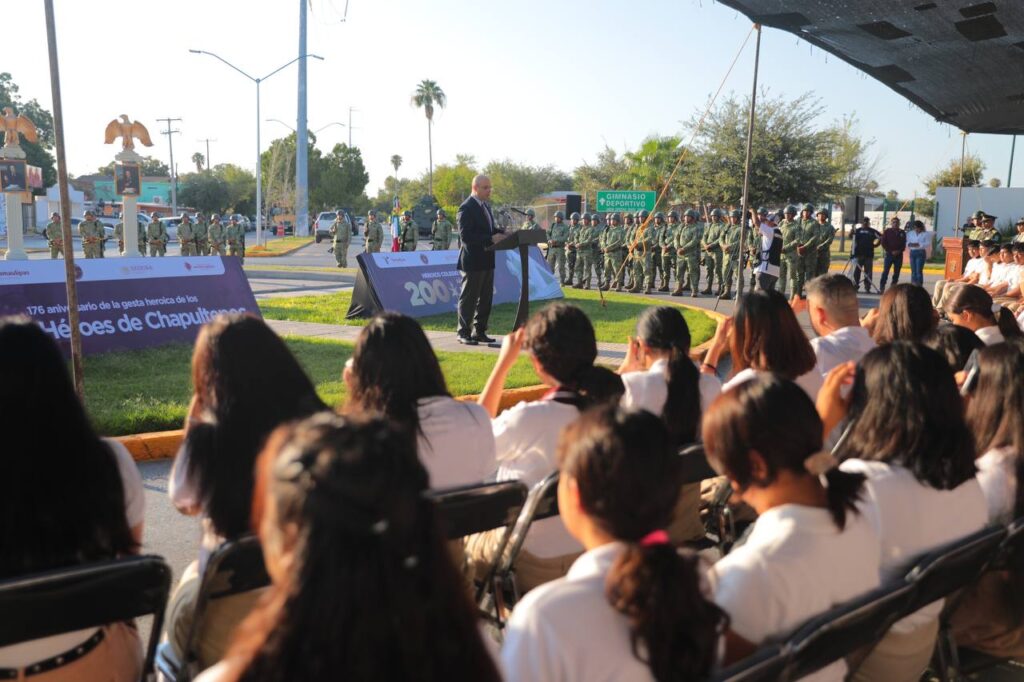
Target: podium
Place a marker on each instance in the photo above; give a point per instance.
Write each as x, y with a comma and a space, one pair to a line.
522, 240
955, 248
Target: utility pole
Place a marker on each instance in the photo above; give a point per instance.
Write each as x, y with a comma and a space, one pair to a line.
302, 137
208, 141
174, 173
350, 110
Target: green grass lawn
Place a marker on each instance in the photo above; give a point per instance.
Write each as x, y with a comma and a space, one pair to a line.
148, 390
278, 247
613, 323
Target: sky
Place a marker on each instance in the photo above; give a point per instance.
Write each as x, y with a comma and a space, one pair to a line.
540, 82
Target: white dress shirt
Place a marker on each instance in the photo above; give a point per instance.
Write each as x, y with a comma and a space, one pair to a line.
795, 564
918, 240
647, 389
810, 382
990, 335
847, 344
456, 444
997, 476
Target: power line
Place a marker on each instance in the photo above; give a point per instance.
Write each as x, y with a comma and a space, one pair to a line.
174, 173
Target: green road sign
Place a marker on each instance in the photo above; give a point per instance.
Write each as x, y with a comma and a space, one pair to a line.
625, 200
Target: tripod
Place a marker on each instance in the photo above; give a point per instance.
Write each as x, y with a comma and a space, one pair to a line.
852, 263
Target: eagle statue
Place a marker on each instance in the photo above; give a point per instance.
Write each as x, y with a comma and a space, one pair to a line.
15, 124
127, 130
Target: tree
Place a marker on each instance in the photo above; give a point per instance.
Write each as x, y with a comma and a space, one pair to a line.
396, 161
429, 93
995, 182
452, 183
589, 178
341, 181
199, 160
854, 169
36, 153
240, 188
651, 165
203, 191
949, 176
516, 183
892, 195
150, 167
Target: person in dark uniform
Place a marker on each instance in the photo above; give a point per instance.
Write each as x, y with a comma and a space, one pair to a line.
865, 240
477, 231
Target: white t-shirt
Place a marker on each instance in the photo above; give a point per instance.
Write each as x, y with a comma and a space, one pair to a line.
566, 631
989, 335
847, 344
810, 382
648, 389
796, 564
456, 444
767, 232
918, 240
912, 518
974, 266
987, 272
1013, 278
997, 476
525, 437
26, 653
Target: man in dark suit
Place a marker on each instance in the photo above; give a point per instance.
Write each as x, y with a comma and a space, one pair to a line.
477, 231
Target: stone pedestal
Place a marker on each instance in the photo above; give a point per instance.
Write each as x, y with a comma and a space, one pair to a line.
15, 230
130, 218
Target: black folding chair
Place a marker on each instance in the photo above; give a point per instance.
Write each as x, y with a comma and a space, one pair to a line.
80, 597
845, 630
695, 467
235, 567
765, 665
467, 510
542, 503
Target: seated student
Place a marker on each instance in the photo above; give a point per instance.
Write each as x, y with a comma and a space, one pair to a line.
764, 336
904, 313
989, 617
972, 271
971, 306
955, 343
393, 371
990, 257
632, 607
909, 437
246, 384
834, 311
660, 377
809, 549
1011, 297
362, 587
1004, 273
70, 498
562, 347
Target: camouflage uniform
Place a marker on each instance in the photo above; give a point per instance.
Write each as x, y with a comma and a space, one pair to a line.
341, 237
587, 251
92, 234
558, 234
217, 236
55, 238
201, 232
571, 246
729, 242
713, 251
441, 233
792, 264
374, 235
409, 234
627, 273
235, 234
666, 239
687, 245
826, 235
647, 239
596, 231
810, 242
156, 238
612, 243
187, 237
119, 236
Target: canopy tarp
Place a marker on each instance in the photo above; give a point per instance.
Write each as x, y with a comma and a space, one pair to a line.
961, 61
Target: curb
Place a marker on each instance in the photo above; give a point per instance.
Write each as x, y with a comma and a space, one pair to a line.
276, 254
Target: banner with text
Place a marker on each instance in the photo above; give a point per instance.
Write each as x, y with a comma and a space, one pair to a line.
421, 283
127, 303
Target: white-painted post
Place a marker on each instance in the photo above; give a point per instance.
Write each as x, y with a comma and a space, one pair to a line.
15, 229
130, 219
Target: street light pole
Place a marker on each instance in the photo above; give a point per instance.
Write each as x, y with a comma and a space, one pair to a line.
259, 174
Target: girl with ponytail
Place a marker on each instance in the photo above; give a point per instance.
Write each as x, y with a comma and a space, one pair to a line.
562, 348
972, 307
809, 549
632, 607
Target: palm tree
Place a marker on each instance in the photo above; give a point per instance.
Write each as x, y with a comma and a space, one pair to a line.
396, 161
428, 93
198, 159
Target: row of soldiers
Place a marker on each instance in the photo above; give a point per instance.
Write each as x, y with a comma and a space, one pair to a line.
199, 238
633, 252
441, 232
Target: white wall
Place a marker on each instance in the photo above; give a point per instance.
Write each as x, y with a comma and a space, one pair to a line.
1006, 203
50, 204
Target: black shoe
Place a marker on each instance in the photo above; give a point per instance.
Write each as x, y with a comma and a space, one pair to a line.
482, 338
467, 341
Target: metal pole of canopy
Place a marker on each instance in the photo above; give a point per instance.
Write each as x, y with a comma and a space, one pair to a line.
1009, 173
65, 204
960, 186
745, 200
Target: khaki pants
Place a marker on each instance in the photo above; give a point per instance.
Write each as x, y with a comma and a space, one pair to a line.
221, 618
531, 570
118, 658
899, 657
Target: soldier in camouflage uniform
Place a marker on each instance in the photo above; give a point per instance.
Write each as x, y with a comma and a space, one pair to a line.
341, 237
201, 232
586, 250
187, 237
627, 274
55, 236
92, 234
216, 236
647, 238
666, 241
373, 234
595, 236
409, 234
235, 234
826, 235
119, 236
808, 248
612, 243
441, 232
156, 236
729, 242
571, 247
713, 251
530, 223
687, 245
558, 235
790, 269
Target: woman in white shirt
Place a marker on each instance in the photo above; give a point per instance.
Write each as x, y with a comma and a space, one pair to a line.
809, 549
907, 434
660, 377
70, 498
562, 348
764, 336
918, 243
393, 371
972, 307
632, 608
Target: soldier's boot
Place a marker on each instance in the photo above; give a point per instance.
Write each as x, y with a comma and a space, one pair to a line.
664, 287
678, 291
725, 294
648, 290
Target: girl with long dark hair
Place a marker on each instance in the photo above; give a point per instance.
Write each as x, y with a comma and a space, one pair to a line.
809, 549
70, 498
904, 313
972, 307
246, 383
363, 587
908, 435
394, 371
562, 348
632, 607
